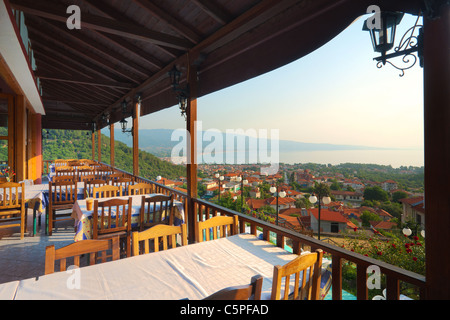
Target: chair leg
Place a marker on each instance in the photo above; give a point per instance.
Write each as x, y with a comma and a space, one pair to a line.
34, 222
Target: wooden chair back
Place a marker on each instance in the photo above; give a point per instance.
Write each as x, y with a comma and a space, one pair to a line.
106, 191
113, 218
62, 193
251, 291
115, 175
12, 206
88, 177
65, 172
140, 188
84, 172
96, 249
158, 235
64, 178
309, 265
89, 186
125, 183
216, 227
156, 210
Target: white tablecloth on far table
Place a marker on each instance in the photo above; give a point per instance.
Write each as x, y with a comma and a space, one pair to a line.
193, 272
8, 290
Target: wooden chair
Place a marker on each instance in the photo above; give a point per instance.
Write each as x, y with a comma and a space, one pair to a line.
88, 177
115, 175
12, 206
159, 234
140, 188
112, 218
89, 186
310, 286
84, 172
220, 226
106, 191
96, 250
125, 183
156, 210
251, 291
62, 196
65, 172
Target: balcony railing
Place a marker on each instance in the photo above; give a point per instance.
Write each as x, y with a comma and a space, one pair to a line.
394, 275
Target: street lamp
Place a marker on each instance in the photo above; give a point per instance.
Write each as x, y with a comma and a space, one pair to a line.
325, 199
220, 178
281, 194
243, 182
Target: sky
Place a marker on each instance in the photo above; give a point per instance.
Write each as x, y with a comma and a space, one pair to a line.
335, 95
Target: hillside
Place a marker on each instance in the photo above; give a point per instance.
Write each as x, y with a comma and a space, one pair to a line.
73, 144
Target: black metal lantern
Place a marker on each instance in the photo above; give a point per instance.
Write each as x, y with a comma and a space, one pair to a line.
383, 37
175, 76
123, 125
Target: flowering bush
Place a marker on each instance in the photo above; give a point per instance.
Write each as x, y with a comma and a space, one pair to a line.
406, 252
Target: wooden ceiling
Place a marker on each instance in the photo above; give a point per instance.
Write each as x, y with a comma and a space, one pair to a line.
125, 47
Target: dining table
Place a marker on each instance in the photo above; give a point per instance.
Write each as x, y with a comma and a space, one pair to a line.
83, 216
190, 272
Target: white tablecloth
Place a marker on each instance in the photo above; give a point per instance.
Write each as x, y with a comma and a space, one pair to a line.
8, 290
193, 271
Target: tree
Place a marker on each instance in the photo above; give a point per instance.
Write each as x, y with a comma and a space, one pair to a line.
367, 217
375, 193
397, 195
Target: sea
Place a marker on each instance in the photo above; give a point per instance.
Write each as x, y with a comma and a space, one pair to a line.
392, 157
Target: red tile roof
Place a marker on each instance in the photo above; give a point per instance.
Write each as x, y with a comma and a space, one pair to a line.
327, 215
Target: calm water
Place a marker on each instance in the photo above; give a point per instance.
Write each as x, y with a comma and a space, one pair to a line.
395, 158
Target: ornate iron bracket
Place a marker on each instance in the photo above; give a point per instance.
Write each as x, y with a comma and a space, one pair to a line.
410, 43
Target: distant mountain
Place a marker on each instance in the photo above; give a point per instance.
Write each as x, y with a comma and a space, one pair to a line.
159, 143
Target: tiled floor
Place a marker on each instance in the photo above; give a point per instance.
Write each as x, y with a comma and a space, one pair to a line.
23, 259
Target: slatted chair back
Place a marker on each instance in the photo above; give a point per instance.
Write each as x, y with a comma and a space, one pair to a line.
12, 206
216, 227
62, 193
113, 218
89, 177
81, 172
155, 210
99, 251
159, 237
125, 183
66, 178
107, 191
90, 184
309, 265
251, 291
62, 196
115, 175
140, 189
63, 171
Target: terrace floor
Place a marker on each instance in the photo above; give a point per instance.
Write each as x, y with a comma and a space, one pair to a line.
23, 259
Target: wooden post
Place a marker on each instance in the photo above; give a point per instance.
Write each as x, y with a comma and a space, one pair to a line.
20, 119
191, 167
111, 144
136, 115
437, 153
99, 144
35, 160
93, 145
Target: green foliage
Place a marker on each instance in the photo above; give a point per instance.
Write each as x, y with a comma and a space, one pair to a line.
375, 193
368, 216
76, 144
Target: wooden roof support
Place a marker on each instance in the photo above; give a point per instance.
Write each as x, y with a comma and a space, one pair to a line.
136, 116
437, 153
89, 21
111, 145
191, 167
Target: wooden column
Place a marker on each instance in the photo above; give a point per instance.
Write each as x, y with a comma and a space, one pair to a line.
136, 115
437, 153
99, 145
191, 174
35, 159
111, 144
93, 145
20, 119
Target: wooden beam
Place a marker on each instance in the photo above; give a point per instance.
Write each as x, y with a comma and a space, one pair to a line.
99, 145
93, 145
82, 80
436, 74
214, 11
20, 119
89, 21
111, 144
174, 23
136, 116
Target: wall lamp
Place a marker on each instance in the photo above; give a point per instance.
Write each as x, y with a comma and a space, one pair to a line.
382, 28
182, 93
123, 122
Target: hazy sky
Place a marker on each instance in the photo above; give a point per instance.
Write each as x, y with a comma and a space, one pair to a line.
334, 95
